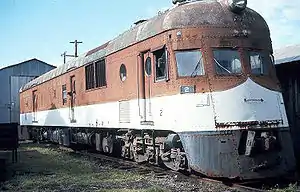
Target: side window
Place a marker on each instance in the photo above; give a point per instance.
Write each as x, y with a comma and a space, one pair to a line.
259, 62
189, 63
100, 73
34, 105
227, 61
89, 77
95, 75
64, 94
160, 57
148, 66
34, 100
123, 72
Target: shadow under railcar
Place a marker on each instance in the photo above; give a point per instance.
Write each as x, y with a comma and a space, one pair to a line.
2, 170
8, 142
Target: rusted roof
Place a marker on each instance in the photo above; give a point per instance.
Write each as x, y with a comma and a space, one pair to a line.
287, 54
193, 14
97, 49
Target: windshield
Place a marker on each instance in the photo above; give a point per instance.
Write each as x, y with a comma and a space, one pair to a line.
227, 62
259, 62
189, 63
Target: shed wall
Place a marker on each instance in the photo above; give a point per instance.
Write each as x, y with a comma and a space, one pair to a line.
289, 78
11, 80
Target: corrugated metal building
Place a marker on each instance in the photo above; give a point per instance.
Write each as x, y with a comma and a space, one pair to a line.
12, 78
287, 62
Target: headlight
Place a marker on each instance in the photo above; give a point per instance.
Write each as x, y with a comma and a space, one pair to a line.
237, 5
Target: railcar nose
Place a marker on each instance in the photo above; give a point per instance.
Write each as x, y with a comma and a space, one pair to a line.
249, 104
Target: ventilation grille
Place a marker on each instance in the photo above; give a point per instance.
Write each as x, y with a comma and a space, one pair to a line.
124, 112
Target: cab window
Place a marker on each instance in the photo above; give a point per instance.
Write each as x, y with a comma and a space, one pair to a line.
259, 62
227, 61
189, 63
161, 68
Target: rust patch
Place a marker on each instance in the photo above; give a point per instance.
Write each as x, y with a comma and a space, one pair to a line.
249, 124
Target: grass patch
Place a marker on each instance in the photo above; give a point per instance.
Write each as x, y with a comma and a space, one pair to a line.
152, 189
45, 169
291, 188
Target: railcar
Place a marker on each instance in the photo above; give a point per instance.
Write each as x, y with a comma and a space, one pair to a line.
193, 88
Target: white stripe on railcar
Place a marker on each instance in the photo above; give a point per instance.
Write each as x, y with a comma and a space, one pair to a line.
180, 113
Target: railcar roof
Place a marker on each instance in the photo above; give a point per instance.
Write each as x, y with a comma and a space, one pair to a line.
192, 14
287, 54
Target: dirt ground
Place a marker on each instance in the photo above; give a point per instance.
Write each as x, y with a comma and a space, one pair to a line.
41, 168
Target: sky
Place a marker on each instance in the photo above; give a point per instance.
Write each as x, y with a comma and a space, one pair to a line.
42, 29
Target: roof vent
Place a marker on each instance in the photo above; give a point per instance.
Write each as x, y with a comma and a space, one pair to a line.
178, 1
140, 21
183, 1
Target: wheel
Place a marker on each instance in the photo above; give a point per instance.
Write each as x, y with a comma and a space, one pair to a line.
107, 145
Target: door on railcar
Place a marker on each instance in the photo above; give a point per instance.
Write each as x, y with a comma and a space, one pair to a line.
34, 106
145, 74
72, 94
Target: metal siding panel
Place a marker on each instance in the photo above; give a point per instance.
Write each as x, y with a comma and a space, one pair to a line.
288, 76
297, 119
16, 82
4, 96
12, 79
4, 111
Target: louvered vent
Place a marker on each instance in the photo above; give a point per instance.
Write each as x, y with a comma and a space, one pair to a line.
124, 112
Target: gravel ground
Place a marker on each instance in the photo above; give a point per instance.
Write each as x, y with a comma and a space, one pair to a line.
43, 169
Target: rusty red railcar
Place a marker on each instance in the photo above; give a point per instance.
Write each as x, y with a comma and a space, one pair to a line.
193, 88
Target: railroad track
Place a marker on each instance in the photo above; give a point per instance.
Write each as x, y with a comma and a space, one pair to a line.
158, 172
235, 186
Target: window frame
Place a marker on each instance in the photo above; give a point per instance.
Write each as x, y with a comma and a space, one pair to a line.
240, 54
154, 63
35, 105
147, 72
64, 100
265, 53
102, 71
125, 68
190, 50
95, 80
34, 100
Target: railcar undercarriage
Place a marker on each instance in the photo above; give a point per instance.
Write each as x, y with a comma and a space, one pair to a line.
239, 154
162, 148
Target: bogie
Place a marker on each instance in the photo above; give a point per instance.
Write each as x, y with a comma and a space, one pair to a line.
140, 146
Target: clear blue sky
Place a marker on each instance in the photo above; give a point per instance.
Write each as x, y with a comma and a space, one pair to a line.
42, 29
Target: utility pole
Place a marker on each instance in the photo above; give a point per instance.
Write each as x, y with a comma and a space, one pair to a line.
65, 55
76, 43
76, 51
